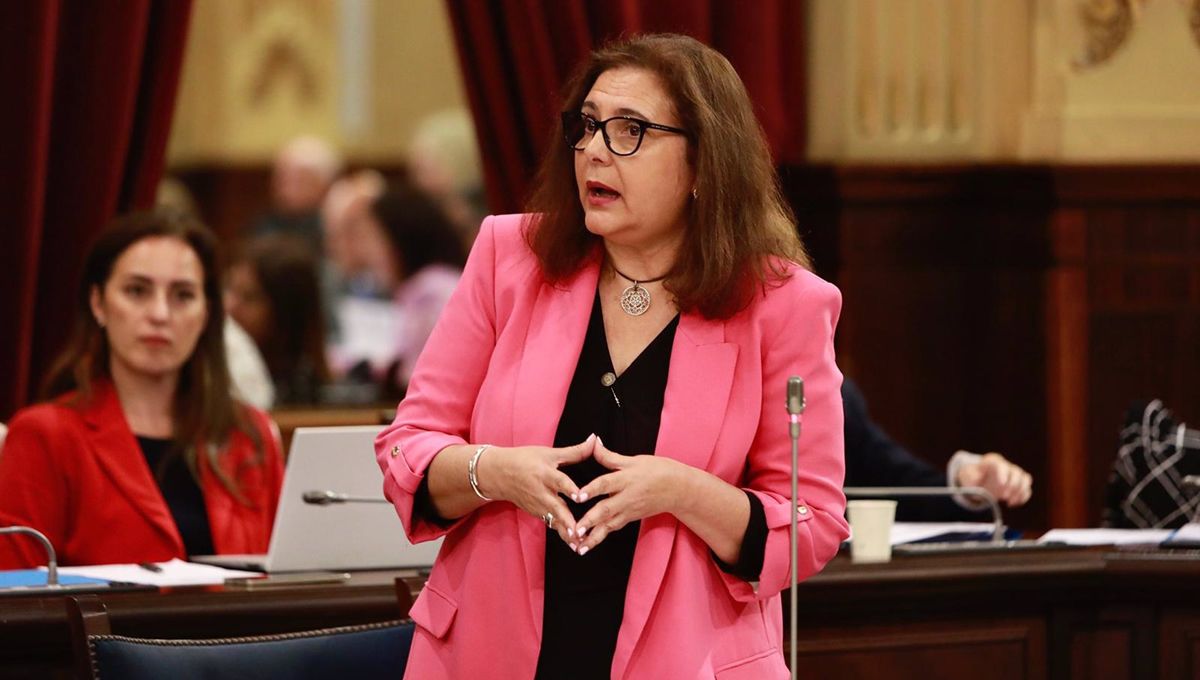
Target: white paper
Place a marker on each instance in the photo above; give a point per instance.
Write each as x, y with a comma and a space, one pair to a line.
1188, 533
174, 573
909, 532
1106, 536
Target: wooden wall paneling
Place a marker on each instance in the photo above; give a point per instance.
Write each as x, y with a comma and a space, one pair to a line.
943, 320
1067, 389
229, 198
1142, 313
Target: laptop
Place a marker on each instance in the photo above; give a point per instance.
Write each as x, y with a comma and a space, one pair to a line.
335, 536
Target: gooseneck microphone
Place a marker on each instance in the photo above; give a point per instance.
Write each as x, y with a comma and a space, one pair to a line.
795, 407
327, 497
51, 558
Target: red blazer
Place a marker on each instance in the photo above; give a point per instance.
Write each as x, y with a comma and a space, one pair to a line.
78, 475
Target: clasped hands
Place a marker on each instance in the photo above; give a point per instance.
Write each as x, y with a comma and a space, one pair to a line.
529, 477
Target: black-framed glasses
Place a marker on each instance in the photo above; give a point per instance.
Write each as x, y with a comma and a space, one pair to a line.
624, 138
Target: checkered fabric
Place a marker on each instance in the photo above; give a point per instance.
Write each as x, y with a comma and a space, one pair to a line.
1146, 489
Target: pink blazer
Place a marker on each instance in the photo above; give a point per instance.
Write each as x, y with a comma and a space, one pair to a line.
496, 370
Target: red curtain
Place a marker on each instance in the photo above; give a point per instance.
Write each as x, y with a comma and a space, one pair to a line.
91, 88
517, 54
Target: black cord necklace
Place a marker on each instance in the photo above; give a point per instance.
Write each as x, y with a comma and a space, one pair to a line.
635, 300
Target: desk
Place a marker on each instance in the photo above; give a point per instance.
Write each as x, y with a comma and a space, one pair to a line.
1092, 613
1060, 614
35, 643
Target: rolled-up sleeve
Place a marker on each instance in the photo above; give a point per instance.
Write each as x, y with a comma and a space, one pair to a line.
436, 411
798, 337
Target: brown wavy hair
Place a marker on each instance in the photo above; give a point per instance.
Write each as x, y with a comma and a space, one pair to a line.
294, 350
205, 413
739, 227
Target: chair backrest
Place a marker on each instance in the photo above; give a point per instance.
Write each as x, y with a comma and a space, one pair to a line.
367, 651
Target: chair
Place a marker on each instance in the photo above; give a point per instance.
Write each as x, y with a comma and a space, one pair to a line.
363, 652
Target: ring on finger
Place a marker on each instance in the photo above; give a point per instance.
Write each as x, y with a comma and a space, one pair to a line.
548, 518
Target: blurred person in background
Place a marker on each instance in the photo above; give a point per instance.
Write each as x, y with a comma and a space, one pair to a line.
414, 251
140, 453
273, 292
344, 271
303, 172
444, 162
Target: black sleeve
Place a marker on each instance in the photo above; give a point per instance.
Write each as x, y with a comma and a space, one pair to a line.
873, 459
423, 506
754, 544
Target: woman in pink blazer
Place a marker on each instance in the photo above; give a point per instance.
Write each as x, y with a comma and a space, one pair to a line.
597, 423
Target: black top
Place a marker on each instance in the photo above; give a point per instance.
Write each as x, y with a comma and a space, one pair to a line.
182, 494
585, 596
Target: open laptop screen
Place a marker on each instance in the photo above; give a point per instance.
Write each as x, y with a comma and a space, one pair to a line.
338, 536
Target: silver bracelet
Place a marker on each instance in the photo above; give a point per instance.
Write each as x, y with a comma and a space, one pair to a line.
471, 471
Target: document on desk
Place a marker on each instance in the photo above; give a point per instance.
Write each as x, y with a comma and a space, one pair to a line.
914, 532
1106, 536
173, 573
1186, 536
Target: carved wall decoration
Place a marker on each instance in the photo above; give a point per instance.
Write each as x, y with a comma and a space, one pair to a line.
999, 80
1194, 20
283, 61
360, 73
1107, 24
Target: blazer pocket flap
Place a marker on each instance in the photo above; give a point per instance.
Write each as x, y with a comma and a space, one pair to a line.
763, 666
433, 611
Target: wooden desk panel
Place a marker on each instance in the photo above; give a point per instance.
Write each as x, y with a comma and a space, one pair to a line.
35, 643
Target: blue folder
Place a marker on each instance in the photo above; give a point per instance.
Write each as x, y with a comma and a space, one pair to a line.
36, 578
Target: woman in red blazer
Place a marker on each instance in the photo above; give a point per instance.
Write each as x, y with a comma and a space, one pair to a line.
141, 454
597, 423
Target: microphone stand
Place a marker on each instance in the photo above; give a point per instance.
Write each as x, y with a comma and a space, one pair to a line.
795, 407
51, 557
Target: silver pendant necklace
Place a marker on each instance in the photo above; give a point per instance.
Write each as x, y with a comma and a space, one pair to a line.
635, 299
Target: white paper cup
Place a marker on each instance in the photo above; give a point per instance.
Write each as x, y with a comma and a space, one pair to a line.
871, 530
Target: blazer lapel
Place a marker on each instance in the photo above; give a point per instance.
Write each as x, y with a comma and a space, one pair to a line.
557, 326
120, 457
697, 395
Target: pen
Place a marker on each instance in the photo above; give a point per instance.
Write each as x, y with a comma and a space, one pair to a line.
150, 566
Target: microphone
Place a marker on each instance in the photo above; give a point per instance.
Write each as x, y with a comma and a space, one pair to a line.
795, 407
51, 558
795, 395
328, 497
